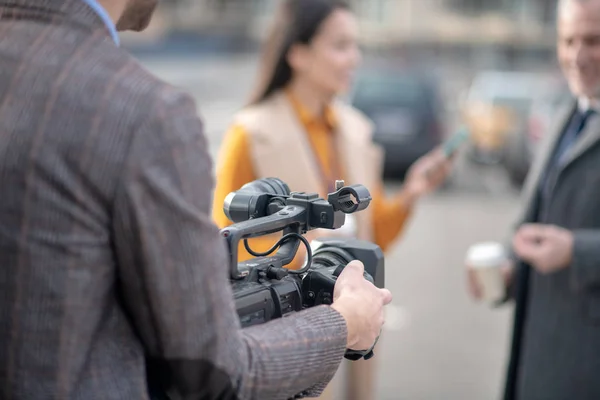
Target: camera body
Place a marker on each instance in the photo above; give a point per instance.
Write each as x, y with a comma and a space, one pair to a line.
265, 293
263, 289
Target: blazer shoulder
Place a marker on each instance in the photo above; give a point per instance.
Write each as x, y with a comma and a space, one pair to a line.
256, 116
139, 95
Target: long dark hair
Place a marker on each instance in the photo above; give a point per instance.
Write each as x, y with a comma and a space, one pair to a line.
297, 22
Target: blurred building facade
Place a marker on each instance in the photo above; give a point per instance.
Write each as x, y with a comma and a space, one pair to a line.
495, 31
525, 21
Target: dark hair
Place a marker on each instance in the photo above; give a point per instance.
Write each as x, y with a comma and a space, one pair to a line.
297, 22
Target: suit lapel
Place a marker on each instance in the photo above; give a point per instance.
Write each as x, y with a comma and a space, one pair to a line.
280, 145
538, 168
300, 156
361, 160
589, 137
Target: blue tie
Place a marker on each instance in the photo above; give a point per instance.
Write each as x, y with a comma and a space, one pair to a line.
569, 137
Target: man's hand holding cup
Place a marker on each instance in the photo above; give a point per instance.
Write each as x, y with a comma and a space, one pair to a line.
489, 271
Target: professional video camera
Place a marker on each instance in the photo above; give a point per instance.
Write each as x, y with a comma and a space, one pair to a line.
263, 289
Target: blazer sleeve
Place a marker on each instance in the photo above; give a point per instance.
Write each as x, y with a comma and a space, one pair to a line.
173, 277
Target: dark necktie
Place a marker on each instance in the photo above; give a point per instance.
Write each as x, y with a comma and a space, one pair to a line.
571, 134
569, 137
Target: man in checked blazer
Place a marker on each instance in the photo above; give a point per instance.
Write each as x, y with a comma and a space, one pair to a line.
555, 353
108, 256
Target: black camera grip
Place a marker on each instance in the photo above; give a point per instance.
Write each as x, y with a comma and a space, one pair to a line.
356, 355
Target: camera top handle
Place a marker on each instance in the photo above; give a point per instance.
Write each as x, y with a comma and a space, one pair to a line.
259, 212
289, 220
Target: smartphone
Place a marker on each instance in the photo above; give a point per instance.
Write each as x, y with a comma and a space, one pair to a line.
452, 144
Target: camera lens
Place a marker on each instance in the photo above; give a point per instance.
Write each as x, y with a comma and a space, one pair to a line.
249, 201
331, 257
267, 186
237, 206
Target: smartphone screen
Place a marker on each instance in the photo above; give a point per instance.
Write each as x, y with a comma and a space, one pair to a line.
452, 144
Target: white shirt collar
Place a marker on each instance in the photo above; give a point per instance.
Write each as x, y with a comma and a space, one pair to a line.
103, 15
584, 104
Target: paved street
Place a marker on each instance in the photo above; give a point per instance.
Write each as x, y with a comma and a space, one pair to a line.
438, 344
448, 347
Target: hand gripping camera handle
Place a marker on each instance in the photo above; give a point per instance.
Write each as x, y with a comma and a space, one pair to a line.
318, 287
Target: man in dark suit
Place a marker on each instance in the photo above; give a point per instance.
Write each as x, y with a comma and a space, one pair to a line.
555, 281
108, 254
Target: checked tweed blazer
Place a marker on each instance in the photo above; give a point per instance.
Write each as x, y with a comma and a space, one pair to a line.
110, 267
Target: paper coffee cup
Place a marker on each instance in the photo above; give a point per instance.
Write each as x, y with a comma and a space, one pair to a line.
486, 260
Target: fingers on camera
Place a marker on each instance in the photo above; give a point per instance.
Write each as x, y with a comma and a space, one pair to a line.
387, 296
356, 265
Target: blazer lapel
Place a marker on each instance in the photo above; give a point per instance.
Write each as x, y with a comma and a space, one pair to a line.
303, 168
280, 145
362, 160
547, 146
589, 137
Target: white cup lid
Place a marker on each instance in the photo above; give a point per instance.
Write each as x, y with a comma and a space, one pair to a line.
485, 255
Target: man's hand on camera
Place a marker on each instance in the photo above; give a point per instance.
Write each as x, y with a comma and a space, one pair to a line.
361, 305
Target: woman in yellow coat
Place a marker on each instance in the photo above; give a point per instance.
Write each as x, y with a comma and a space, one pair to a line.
295, 129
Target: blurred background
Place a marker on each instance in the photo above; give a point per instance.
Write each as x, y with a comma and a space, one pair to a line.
486, 64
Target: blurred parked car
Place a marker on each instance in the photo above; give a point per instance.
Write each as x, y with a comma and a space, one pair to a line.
496, 106
522, 145
406, 109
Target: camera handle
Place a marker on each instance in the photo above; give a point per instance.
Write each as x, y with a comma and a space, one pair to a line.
290, 219
320, 286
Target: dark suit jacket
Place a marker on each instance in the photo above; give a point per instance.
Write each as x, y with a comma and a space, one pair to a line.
556, 341
107, 250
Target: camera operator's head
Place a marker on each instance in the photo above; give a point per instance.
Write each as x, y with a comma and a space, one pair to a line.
313, 43
133, 15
